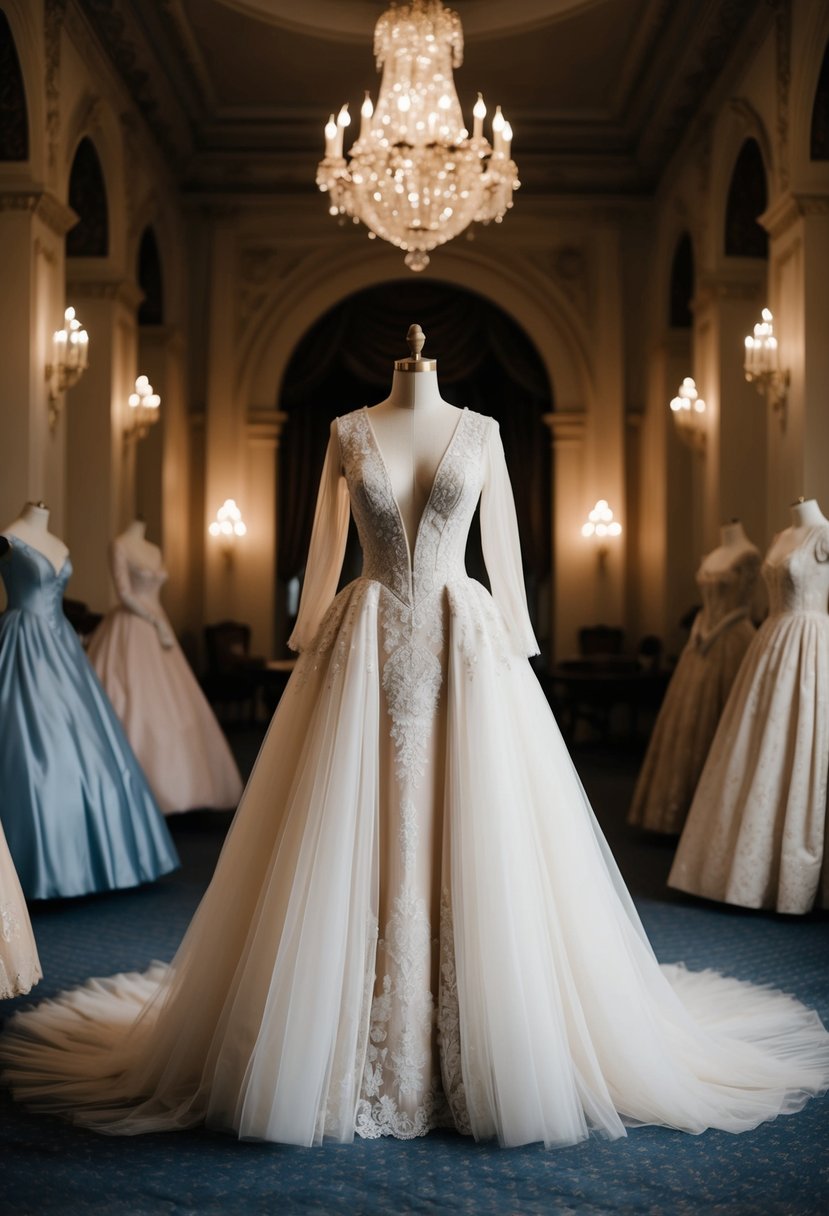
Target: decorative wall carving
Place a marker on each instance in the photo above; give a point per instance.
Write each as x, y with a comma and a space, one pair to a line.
55, 12
260, 270
54, 214
568, 266
783, 47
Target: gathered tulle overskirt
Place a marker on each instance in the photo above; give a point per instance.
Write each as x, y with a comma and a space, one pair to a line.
756, 830
19, 963
299, 1003
684, 728
78, 814
169, 724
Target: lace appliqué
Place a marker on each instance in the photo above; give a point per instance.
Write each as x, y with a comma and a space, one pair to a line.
449, 1031
9, 923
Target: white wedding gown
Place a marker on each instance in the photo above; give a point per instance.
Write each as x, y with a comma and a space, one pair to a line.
415, 920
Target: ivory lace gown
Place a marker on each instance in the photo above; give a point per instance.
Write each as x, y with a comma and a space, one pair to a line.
755, 834
19, 963
697, 693
415, 919
166, 717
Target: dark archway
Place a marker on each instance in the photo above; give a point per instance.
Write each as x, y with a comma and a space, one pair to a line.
819, 134
87, 196
747, 199
485, 362
681, 289
14, 119
150, 280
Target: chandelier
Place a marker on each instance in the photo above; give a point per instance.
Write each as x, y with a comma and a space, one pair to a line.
414, 176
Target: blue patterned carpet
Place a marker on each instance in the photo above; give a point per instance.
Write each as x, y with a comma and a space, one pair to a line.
47, 1166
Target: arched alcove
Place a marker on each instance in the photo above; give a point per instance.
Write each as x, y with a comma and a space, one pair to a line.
819, 132
14, 120
87, 196
681, 284
149, 277
485, 362
747, 199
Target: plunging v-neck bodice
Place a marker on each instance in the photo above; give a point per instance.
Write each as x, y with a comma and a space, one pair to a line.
440, 539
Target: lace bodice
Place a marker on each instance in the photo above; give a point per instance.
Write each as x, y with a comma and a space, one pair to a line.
799, 581
32, 584
137, 585
355, 477
728, 592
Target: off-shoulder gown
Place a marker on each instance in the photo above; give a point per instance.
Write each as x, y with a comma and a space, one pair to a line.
415, 920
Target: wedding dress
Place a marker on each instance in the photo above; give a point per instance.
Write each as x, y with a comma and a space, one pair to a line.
170, 726
78, 814
19, 963
415, 920
756, 830
699, 688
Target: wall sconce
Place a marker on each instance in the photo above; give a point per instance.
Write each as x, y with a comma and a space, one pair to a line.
144, 410
689, 411
762, 365
227, 526
70, 356
601, 526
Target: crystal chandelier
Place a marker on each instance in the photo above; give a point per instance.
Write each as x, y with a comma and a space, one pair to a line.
414, 177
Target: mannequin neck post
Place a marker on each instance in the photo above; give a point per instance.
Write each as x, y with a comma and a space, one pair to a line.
807, 514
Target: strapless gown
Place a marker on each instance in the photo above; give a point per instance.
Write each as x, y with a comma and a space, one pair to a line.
19, 963
170, 726
755, 834
699, 688
415, 920
78, 814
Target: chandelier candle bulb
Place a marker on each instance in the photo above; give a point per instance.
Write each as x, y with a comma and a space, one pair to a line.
366, 115
330, 138
478, 115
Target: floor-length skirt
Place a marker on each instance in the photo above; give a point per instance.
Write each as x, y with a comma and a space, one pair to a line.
685, 726
166, 717
19, 963
495, 977
755, 834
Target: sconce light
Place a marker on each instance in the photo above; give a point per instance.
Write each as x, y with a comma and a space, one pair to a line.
70, 355
144, 410
601, 526
689, 411
227, 526
762, 365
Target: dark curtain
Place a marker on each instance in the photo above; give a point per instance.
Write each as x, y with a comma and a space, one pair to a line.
485, 361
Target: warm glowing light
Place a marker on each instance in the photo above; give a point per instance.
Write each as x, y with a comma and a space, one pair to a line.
600, 522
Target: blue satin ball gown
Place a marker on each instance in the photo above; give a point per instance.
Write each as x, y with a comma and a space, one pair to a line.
78, 814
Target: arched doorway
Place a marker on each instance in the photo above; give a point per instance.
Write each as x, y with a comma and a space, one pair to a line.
485, 361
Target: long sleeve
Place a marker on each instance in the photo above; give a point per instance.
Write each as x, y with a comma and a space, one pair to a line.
502, 548
325, 556
119, 568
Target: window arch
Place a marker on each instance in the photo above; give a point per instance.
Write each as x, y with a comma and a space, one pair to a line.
87, 196
747, 199
819, 136
681, 289
150, 280
14, 121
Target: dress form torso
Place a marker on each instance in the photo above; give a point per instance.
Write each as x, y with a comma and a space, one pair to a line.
138, 549
31, 527
413, 428
806, 515
733, 545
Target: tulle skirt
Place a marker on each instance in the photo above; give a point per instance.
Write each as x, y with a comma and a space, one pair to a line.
170, 726
416, 921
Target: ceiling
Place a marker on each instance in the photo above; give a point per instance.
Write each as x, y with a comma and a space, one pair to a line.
598, 91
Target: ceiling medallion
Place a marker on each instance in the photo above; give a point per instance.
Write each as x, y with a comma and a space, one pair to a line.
414, 176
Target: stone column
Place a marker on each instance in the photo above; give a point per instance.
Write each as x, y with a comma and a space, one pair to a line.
573, 569
258, 553
725, 310
98, 466
162, 462
33, 224
798, 226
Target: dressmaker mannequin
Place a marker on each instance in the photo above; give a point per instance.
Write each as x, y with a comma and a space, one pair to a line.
733, 544
31, 527
805, 515
413, 428
132, 548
